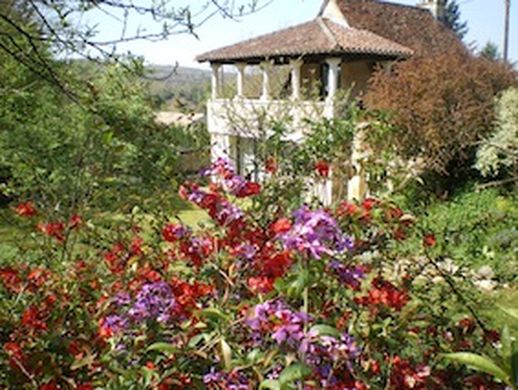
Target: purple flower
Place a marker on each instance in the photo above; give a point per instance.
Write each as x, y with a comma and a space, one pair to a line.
115, 323
350, 276
234, 380
154, 301
276, 320
319, 350
220, 167
227, 212
315, 233
122, 299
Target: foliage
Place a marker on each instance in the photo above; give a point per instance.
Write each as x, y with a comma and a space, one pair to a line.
451, 18
490, 51
72, 157
505, 369
500, 151
476, 229
440, 107
266, 297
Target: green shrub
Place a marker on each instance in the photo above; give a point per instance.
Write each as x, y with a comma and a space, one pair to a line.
477, 229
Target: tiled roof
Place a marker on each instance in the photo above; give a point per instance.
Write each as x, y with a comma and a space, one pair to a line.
319, 36
410, 26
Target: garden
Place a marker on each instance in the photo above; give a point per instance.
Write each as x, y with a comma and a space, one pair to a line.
122, 269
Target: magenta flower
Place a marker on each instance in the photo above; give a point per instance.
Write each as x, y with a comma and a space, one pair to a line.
315, 233
276, 320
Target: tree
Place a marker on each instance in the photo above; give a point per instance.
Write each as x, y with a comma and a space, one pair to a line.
499, 153
99, 149
63, 27
440, 106
490, 51
452, 18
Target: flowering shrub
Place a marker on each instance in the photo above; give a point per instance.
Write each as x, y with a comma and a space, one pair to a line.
297, 298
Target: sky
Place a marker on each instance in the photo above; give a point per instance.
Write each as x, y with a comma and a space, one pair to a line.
485, 22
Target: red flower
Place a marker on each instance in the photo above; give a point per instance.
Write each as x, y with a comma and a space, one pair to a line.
75, 221
394, 213
187, 295
14, 350
282, 225
429, 240
31, 318
404, 376
260, 284
136, 246
173, 232
49, 386
322, 168
384, 293
37, 277
249, 189
347, 209
52, 229
85, 386
468, 325
271, 165
115, 259
399, 234
26, 209
10, 279
493, 336
369, 203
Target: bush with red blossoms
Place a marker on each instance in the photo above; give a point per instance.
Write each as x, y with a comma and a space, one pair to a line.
274, 294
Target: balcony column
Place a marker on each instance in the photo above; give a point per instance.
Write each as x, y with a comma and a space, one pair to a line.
332, 85
332, 81
357, 188
266, 66
240, 79
215, 80
296, 66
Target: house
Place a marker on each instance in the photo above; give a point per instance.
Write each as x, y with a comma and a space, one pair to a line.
174, 118
338, 50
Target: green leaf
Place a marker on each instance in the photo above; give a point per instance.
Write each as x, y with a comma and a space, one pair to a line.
294, 373
511, 312
325, 330
226, 354
479, 363
506, 347
514, 364
162, 347
214, 315
253, 355
270, 384
197, 339
87, 361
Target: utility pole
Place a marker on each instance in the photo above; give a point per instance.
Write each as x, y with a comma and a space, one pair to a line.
506, 29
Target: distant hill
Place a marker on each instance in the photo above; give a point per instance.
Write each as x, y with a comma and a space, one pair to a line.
179, 88
181, 75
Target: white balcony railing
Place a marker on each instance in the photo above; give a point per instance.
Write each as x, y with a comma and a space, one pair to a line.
253, 118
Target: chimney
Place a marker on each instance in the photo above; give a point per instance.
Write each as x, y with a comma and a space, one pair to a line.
331, 10
436, 7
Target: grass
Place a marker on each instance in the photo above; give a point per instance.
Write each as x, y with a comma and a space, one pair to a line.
504, 299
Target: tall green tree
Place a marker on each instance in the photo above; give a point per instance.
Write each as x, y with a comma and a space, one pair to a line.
452, 18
